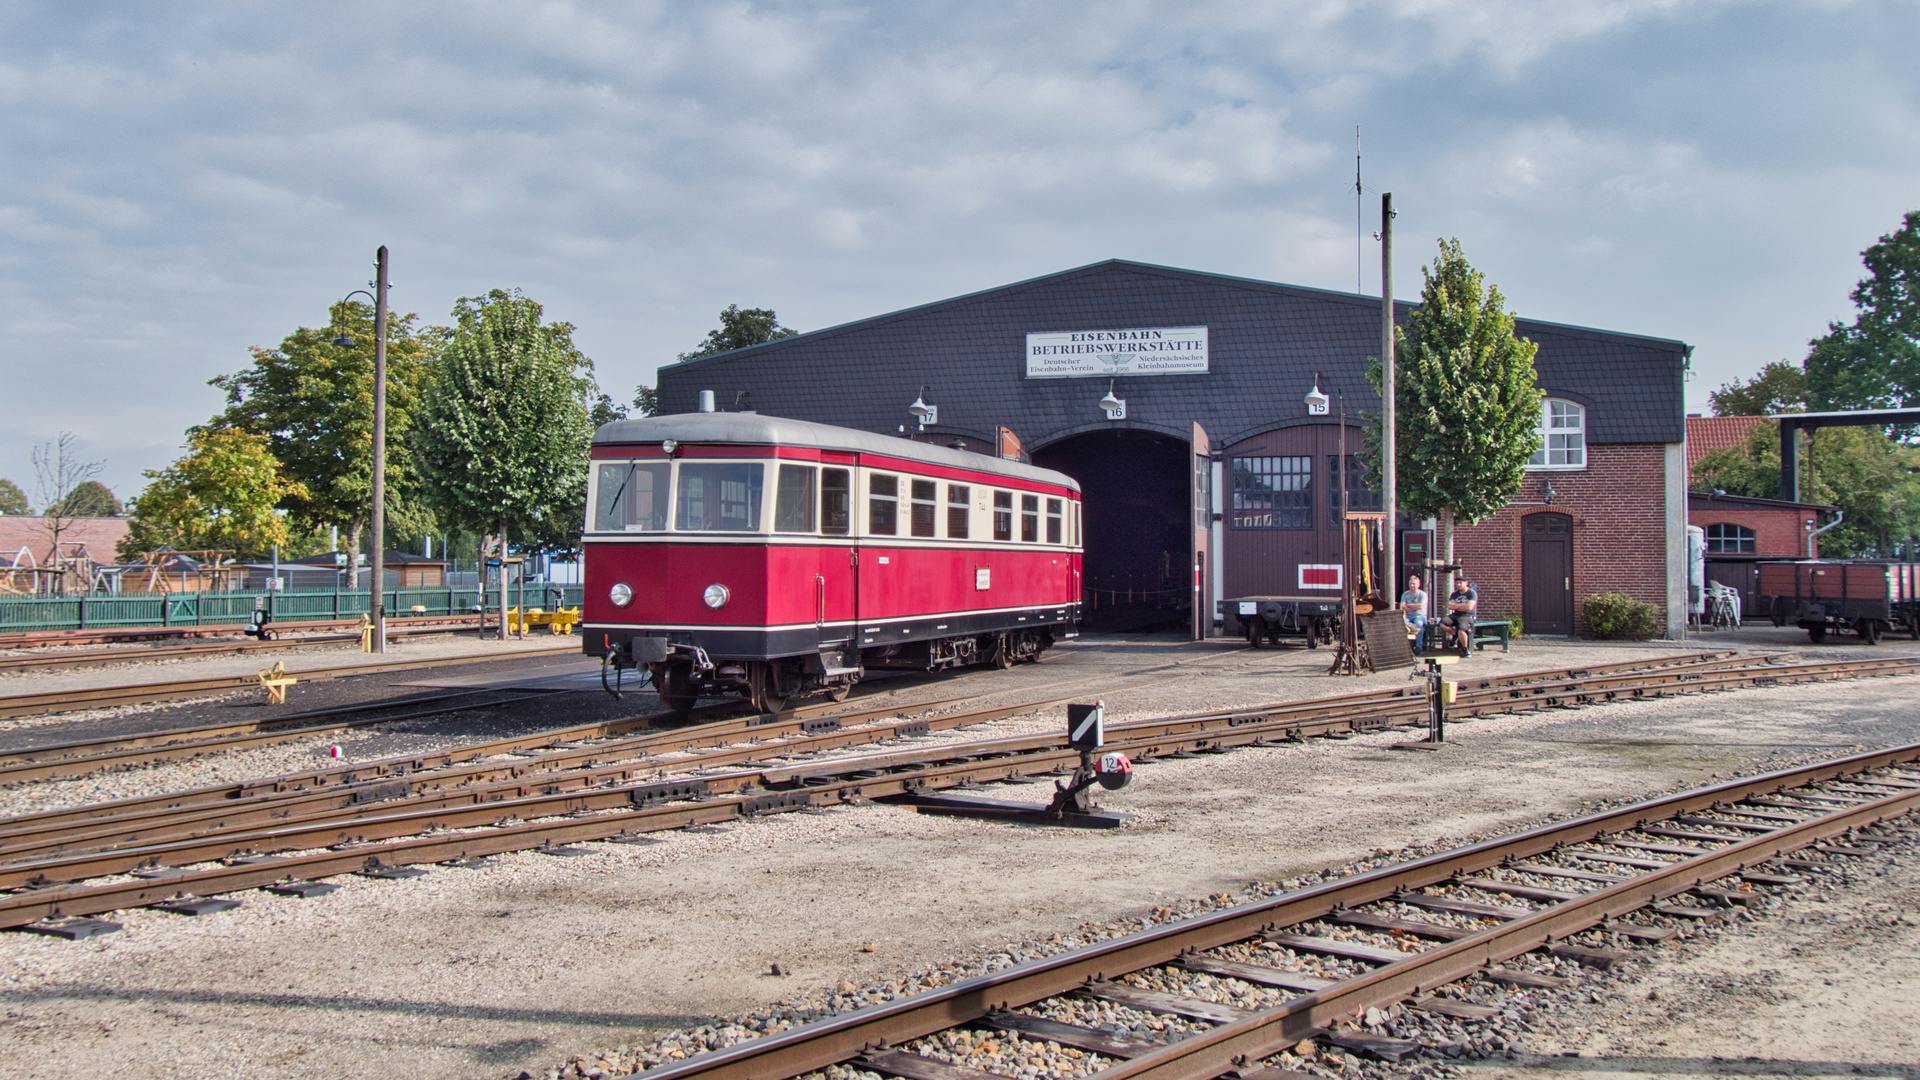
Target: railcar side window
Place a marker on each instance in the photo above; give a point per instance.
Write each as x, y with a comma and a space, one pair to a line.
883, 505
1053, 521
793, 500
925, 492
836, 502
719, 497
1029, 518
631, 497
1003, 515
1076, 524
959, 508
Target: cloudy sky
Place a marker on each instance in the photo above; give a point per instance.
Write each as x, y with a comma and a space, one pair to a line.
181, 181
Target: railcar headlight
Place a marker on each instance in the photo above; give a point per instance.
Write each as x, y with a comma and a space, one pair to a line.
620, 595
715, 596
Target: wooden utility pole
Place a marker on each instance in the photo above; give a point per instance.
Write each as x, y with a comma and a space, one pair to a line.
1389, 448
377, 597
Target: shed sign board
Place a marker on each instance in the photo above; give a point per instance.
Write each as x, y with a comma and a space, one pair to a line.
1163, 350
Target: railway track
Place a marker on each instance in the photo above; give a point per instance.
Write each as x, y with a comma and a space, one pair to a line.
193, 650
30, 639
16, 705
1221, 995
601, 784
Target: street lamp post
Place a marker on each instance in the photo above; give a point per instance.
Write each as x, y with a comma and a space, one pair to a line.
376, 599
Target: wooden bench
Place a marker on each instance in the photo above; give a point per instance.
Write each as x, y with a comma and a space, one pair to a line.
1486, 633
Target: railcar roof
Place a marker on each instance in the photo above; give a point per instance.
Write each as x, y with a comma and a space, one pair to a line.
753, 429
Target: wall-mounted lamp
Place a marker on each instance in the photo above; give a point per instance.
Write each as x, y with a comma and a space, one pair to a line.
922, 412
1549, 493
1114, 407
1317, 402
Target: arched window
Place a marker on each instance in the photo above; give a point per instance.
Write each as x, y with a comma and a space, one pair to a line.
1563, 436
1726, 538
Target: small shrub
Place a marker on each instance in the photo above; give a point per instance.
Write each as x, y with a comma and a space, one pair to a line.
1617, 615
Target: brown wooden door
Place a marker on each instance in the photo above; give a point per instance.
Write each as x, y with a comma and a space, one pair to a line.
1202, 504
1546, 573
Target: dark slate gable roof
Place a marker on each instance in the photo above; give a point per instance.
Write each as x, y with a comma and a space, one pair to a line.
1266, 341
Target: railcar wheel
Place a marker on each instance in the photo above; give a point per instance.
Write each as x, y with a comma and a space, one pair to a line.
674, 683
1816, 634
1253, 635
1003, 652
1869, 630
839, 693
763, 685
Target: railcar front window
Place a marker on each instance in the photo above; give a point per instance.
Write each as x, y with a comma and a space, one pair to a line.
836, 502
883, 505
719, 497
1003, 515
1029, 518
925, 492
793, 500
959, 508
631, 497
1053, 521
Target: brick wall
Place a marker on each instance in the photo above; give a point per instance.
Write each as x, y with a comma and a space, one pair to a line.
1618, 506
1779, 533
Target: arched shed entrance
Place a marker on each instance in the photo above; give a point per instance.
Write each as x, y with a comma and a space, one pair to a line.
1134, 487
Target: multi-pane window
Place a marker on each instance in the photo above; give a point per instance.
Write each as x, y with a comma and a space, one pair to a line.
883, 505
1272, 492
1726, 538
1053, 521
1563, 436
793, 500
925, 492
1359, 496
719, 498
959, 507
836, 502
1029, 518
1003, 515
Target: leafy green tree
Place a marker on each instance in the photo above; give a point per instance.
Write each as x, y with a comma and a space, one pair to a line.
1469, 411
89, 498
12, 499
312, 398
1875, 362
739, 329
504, 424
1779, 387
646, 400
222, 494
604, 411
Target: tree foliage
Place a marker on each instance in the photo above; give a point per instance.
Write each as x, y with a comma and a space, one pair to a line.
57, 472
222, 494
1779, 387
12, 499
646, 400
739, 329
504, 425
1875, 362
1468, 408
89, 498
312, 399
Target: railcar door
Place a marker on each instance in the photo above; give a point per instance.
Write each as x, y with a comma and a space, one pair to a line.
1201, 502
837, 583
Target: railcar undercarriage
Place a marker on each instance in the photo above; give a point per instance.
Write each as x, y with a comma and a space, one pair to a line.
682, 674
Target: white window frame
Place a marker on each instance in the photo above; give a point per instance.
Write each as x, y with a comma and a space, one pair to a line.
1554, 426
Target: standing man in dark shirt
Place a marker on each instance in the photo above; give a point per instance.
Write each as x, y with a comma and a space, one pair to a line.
1457, 624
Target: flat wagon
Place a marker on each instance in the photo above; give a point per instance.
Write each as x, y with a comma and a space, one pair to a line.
1860, 596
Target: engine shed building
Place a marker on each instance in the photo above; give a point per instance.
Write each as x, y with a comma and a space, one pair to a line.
1178, 400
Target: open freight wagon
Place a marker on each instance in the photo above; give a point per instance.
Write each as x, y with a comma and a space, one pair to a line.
1863, 596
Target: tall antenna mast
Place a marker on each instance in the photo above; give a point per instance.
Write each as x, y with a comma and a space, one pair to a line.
1359, 230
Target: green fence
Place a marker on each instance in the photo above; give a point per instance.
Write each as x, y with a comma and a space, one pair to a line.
23, 614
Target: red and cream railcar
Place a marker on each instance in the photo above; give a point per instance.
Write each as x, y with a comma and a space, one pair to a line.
732, 552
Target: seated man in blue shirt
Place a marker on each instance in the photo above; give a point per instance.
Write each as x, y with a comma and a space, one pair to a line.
1413, 605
